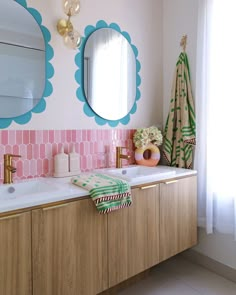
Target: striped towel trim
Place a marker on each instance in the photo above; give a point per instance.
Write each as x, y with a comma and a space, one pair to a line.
108, 193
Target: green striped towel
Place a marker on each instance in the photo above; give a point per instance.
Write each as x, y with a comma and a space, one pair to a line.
180, 134
108, 193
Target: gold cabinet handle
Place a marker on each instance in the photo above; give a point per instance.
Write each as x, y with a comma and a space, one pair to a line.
171, 181
148, 186
10, 217
55, 207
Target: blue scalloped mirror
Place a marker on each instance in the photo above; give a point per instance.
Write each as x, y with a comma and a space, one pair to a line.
108, 74
25, 56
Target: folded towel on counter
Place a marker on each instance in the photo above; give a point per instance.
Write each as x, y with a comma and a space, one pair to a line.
108, 193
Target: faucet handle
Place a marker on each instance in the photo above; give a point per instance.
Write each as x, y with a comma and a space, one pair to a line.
8, 168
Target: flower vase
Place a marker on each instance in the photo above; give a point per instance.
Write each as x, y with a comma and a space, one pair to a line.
151, 161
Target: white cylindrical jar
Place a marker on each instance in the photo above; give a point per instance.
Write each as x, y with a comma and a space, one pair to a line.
74, 161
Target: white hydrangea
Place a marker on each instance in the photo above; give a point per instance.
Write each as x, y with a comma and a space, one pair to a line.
144, 136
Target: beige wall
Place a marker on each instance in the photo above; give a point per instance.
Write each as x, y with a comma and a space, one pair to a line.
179, 18
143, 21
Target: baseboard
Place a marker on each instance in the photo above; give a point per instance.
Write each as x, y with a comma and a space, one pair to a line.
211, 264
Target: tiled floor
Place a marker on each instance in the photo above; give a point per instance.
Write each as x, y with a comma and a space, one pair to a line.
178, 276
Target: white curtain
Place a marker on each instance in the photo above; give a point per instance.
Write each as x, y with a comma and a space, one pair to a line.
216, 116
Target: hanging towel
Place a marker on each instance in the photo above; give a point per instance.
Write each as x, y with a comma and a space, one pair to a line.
180, 129
108, 193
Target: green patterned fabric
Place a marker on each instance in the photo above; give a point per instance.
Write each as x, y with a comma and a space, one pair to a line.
108, 193
179, 133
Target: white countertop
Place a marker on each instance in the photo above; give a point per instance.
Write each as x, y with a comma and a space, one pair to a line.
61, 189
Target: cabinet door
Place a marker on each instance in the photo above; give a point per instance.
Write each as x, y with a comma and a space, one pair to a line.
187, 221
178, 216
133, 232
15, 255
69, 250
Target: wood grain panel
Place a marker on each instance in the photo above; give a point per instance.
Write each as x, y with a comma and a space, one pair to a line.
178, 216
133, 236
187, 219
69, 250
118, 222
92, 274
15, 255
168, 220
143, 229
153, 227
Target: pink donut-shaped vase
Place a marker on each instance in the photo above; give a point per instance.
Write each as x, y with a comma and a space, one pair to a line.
153, 160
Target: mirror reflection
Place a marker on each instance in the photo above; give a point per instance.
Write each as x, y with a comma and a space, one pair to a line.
22, 60
109, 74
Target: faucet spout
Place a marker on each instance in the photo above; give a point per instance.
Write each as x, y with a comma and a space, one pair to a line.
120, 156
9, 169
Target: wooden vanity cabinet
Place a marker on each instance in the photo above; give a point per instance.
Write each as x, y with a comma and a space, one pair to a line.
71, 249
178, 216
15, 255
69, 245
133, 236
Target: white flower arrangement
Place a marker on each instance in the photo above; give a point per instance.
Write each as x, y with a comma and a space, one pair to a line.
144, 136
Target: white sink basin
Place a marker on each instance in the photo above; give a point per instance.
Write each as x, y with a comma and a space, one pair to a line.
27, 188
139, 173
35, 192
38, 191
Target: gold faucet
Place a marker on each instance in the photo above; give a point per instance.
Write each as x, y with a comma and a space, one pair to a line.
120, 156
8, 168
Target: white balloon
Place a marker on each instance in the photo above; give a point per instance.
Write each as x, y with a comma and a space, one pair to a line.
72, 39
71, 7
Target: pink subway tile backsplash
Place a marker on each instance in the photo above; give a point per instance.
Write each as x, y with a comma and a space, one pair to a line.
26, 137
84, 135
39, 136
11, 137
73, 135
45, 136
19, 169
63, 136
42, 151
30, 151
51, 136
4, 137
38, 147
32, 136
15, 149
68, 136
18, 136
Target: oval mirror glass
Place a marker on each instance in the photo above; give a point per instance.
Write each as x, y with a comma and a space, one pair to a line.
109, 74
22, 60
